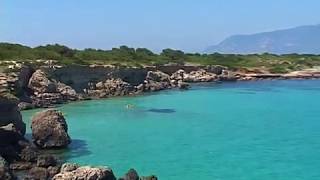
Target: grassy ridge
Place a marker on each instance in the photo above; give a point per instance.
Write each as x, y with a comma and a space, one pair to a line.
142, 56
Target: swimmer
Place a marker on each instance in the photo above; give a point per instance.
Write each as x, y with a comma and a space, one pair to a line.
129, 106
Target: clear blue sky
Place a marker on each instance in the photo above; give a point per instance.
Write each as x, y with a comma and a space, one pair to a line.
190, 25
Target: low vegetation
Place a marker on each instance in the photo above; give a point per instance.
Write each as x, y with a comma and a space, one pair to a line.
142, 56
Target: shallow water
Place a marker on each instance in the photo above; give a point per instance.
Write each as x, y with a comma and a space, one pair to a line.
232, 131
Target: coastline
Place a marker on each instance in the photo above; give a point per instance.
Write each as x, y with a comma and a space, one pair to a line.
43, 89
48, 86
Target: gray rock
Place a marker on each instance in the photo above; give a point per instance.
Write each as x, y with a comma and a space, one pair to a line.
25, 106
46, 161
38, 173
158, 76
53, 170
9, 113
68, 167
110, 87
29, 154
39, 83
50, 130
156, 81
48, 91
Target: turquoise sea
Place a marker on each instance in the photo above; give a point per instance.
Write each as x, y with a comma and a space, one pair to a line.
265, 130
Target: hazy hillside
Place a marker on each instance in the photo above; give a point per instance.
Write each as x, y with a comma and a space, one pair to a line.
303, 39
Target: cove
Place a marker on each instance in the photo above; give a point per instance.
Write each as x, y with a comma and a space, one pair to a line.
235, 131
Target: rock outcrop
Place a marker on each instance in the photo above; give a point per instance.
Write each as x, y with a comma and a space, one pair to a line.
85, 173
228, 76
47, 91
194, 76
156, 81
200, 76
50, 130
109, 88
14, 148
9, 113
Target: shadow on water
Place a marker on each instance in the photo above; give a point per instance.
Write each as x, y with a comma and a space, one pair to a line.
76, 149
161, 110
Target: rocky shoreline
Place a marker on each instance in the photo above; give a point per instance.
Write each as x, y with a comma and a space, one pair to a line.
45, 87
22, 159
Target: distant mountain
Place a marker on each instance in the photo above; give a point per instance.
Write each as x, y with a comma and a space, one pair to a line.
303, 39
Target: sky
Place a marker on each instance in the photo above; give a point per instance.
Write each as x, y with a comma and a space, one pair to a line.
189, 25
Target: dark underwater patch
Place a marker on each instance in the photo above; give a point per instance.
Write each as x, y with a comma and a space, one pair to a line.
162, 110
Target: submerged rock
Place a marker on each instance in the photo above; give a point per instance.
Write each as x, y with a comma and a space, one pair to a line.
86, 173
152, 177
50, 130
130, 175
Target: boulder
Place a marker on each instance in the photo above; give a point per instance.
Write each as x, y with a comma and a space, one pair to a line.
50, 130
40, 83
10, 114
86, 173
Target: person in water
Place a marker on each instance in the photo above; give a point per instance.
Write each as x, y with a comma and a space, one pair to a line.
129, 106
